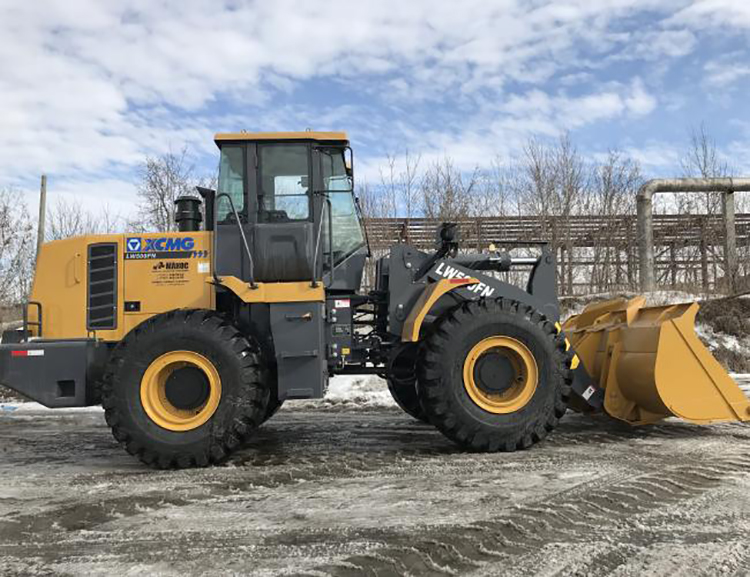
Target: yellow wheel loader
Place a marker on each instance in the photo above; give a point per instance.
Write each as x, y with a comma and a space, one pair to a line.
190, 340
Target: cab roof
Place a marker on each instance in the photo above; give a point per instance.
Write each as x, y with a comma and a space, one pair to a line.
306, 135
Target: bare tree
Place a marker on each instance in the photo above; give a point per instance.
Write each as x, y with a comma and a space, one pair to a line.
613, 188
67, 218
447, 192
17, 243
537, 180
163, 179
493, 195
399, 186
551, 184
702, 159
370, 200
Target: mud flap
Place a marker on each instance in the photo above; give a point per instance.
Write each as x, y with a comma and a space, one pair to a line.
651, 364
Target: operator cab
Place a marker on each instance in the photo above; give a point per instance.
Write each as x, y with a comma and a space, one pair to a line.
293, 195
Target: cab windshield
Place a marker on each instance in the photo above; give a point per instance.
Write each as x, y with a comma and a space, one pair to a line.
347, 228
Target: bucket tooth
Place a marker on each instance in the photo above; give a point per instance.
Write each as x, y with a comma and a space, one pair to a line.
652, 365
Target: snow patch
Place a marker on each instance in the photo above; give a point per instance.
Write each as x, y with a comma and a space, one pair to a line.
31, 407
575, 304
352, 391
715, 340
360, 391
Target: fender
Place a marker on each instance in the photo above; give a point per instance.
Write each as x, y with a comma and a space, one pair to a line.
429, 296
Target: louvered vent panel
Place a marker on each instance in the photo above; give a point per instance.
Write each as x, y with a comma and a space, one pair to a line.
102, 287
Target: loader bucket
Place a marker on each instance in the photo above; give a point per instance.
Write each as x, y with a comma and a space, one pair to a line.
651, 364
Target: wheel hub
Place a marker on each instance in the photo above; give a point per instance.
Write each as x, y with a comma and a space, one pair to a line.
494, 373
187, 387
180, 390
500, 374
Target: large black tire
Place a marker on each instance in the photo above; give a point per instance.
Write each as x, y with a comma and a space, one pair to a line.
445, 396
242, 394
402, 380
406, 397
274, 404
271, 376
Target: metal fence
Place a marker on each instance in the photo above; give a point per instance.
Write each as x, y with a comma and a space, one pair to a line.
595, 253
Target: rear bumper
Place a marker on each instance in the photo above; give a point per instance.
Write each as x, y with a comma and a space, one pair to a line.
54, 373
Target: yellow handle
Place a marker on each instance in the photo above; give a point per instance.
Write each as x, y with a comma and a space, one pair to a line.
77, 266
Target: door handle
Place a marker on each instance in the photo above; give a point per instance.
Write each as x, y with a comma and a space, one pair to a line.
77, 268
305, 317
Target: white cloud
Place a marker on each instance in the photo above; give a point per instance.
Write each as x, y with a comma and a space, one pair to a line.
652, 45
702, 14
657, 158
118, 197
722, 74
539, 112
639, 101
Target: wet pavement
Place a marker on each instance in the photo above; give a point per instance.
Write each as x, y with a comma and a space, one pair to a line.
371, 491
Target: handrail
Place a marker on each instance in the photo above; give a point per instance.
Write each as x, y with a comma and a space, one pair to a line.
324, 194
27, 322
331, 257
242, 234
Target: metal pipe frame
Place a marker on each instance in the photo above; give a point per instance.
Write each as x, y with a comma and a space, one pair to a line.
645, 228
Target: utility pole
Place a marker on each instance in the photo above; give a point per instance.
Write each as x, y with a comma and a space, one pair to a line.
42, 215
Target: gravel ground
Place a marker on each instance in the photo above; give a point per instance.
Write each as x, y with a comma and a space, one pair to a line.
341, 490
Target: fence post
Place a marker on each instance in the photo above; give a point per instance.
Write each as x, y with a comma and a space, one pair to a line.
730, 242
569, 250
704, 256
645, 235
629, 254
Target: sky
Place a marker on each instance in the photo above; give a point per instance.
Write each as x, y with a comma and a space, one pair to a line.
89, 89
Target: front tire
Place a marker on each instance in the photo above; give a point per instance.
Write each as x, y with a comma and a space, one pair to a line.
494, 375
184, 389
406, 397
402, 381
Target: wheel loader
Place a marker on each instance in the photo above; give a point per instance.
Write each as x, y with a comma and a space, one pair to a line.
190, 340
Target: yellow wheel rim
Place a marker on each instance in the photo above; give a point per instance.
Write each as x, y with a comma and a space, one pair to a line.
154, 391
525, 375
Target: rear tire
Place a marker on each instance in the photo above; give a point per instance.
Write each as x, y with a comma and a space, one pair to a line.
274, 403
504, 406
273, 407
184, 389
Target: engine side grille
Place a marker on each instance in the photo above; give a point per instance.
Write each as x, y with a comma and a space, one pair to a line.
101, 310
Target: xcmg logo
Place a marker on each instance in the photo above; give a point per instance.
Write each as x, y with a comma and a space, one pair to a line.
164, 244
